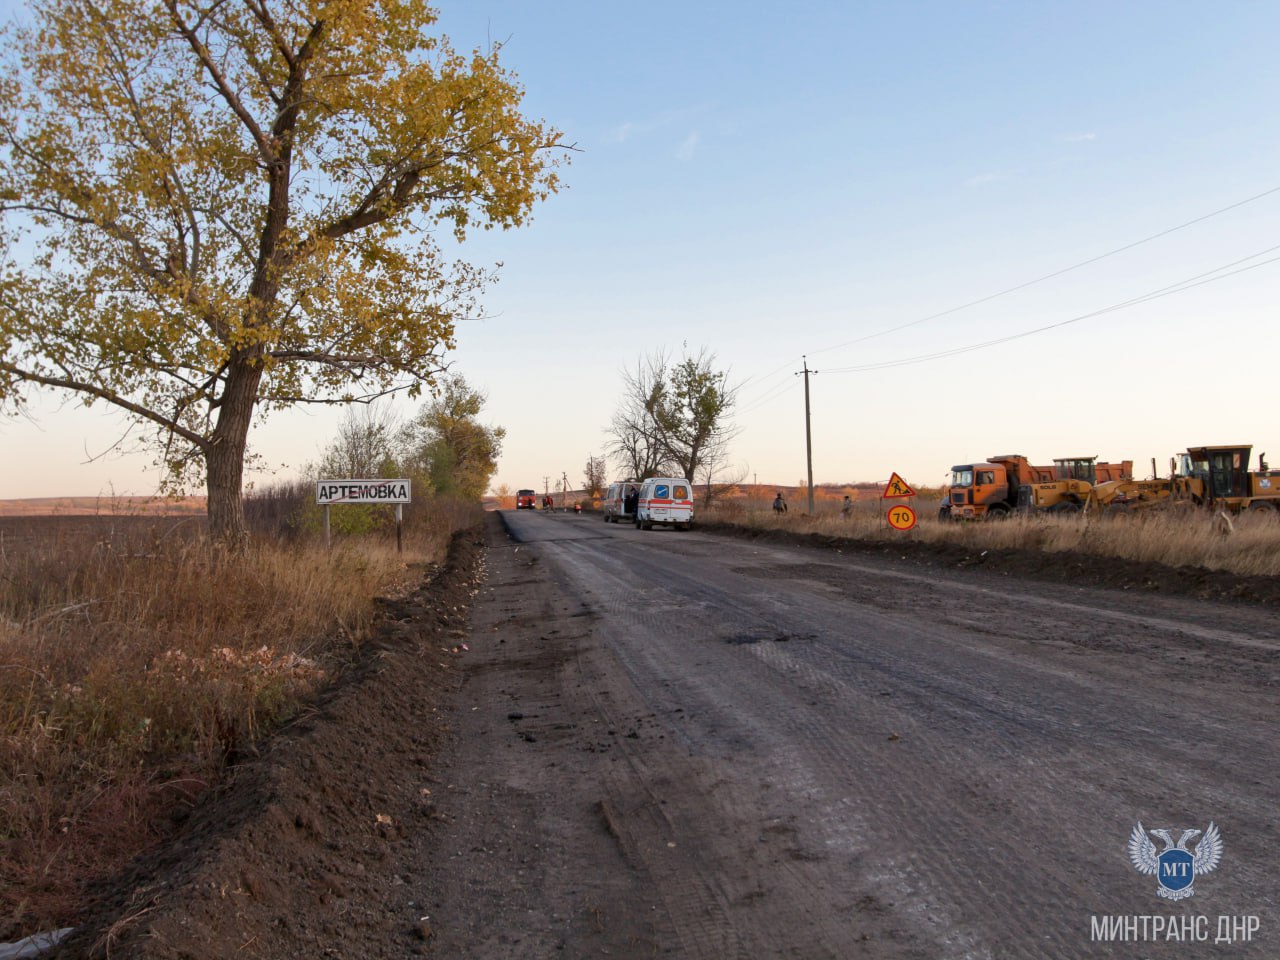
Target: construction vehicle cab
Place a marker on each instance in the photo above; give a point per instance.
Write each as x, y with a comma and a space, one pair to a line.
1220, 476
975, 489
990, 488
1090, 470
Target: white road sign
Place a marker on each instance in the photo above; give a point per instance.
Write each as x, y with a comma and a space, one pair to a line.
362, 491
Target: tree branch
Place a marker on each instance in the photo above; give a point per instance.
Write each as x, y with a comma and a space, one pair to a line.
266, 148
111, 397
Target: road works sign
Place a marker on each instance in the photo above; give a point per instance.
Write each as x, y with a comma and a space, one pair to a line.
897, 487
901, 517
362, 491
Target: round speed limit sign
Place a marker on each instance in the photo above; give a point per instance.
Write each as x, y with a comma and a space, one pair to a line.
902, 518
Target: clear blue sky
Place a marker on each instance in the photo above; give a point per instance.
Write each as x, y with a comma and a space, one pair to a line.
825, 179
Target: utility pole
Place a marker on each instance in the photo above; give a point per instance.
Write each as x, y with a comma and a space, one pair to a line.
808, 434
564, 491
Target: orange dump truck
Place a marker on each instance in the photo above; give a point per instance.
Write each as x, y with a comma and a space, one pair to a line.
1000, 485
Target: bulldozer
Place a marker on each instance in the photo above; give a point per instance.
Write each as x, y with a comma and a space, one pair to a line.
998, 486
1214, 476
1220, 477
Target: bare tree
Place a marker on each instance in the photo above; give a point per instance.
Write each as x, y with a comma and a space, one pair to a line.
633, 440
718, 478
365, 445
594, 475
674, 415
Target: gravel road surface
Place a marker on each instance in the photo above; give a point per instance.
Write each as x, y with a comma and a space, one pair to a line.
710, 748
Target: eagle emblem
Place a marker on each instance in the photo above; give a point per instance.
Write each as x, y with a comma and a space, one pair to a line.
1176, 867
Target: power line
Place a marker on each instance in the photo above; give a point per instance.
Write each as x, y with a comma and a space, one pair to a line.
1056, 273
771, 393
1181, 286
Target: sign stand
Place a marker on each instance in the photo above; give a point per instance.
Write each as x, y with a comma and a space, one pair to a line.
395, 492
900, 516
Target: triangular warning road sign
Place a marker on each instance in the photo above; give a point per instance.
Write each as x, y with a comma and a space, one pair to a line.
897, 487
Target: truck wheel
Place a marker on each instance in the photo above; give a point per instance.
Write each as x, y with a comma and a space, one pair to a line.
1262, 508
944, 513
998, 511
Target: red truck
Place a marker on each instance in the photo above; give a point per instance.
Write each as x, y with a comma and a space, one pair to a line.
526, 499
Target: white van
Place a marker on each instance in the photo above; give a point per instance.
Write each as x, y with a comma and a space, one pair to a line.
665, 500
614, 506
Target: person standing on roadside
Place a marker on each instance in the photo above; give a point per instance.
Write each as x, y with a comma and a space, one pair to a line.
779, 505
846, 508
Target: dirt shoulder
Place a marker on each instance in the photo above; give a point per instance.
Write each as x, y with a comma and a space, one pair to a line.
293, 856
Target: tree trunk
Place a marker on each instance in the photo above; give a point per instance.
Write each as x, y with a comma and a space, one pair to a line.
224, 457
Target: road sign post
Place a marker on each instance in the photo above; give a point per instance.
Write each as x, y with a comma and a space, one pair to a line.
899, 515
395, 492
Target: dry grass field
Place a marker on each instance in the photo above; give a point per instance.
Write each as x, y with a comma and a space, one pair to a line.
103, 506
1249, 544
136, 664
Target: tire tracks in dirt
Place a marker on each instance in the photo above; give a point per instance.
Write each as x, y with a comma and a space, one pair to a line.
900, 775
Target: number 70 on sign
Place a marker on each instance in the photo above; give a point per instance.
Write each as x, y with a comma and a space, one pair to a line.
901, 517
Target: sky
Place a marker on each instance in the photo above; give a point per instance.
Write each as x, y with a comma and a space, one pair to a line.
990, 227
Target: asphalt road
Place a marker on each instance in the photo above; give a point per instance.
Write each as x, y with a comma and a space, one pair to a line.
680, 744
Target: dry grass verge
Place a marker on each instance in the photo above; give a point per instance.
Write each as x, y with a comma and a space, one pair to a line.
1249, 545
134, 667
